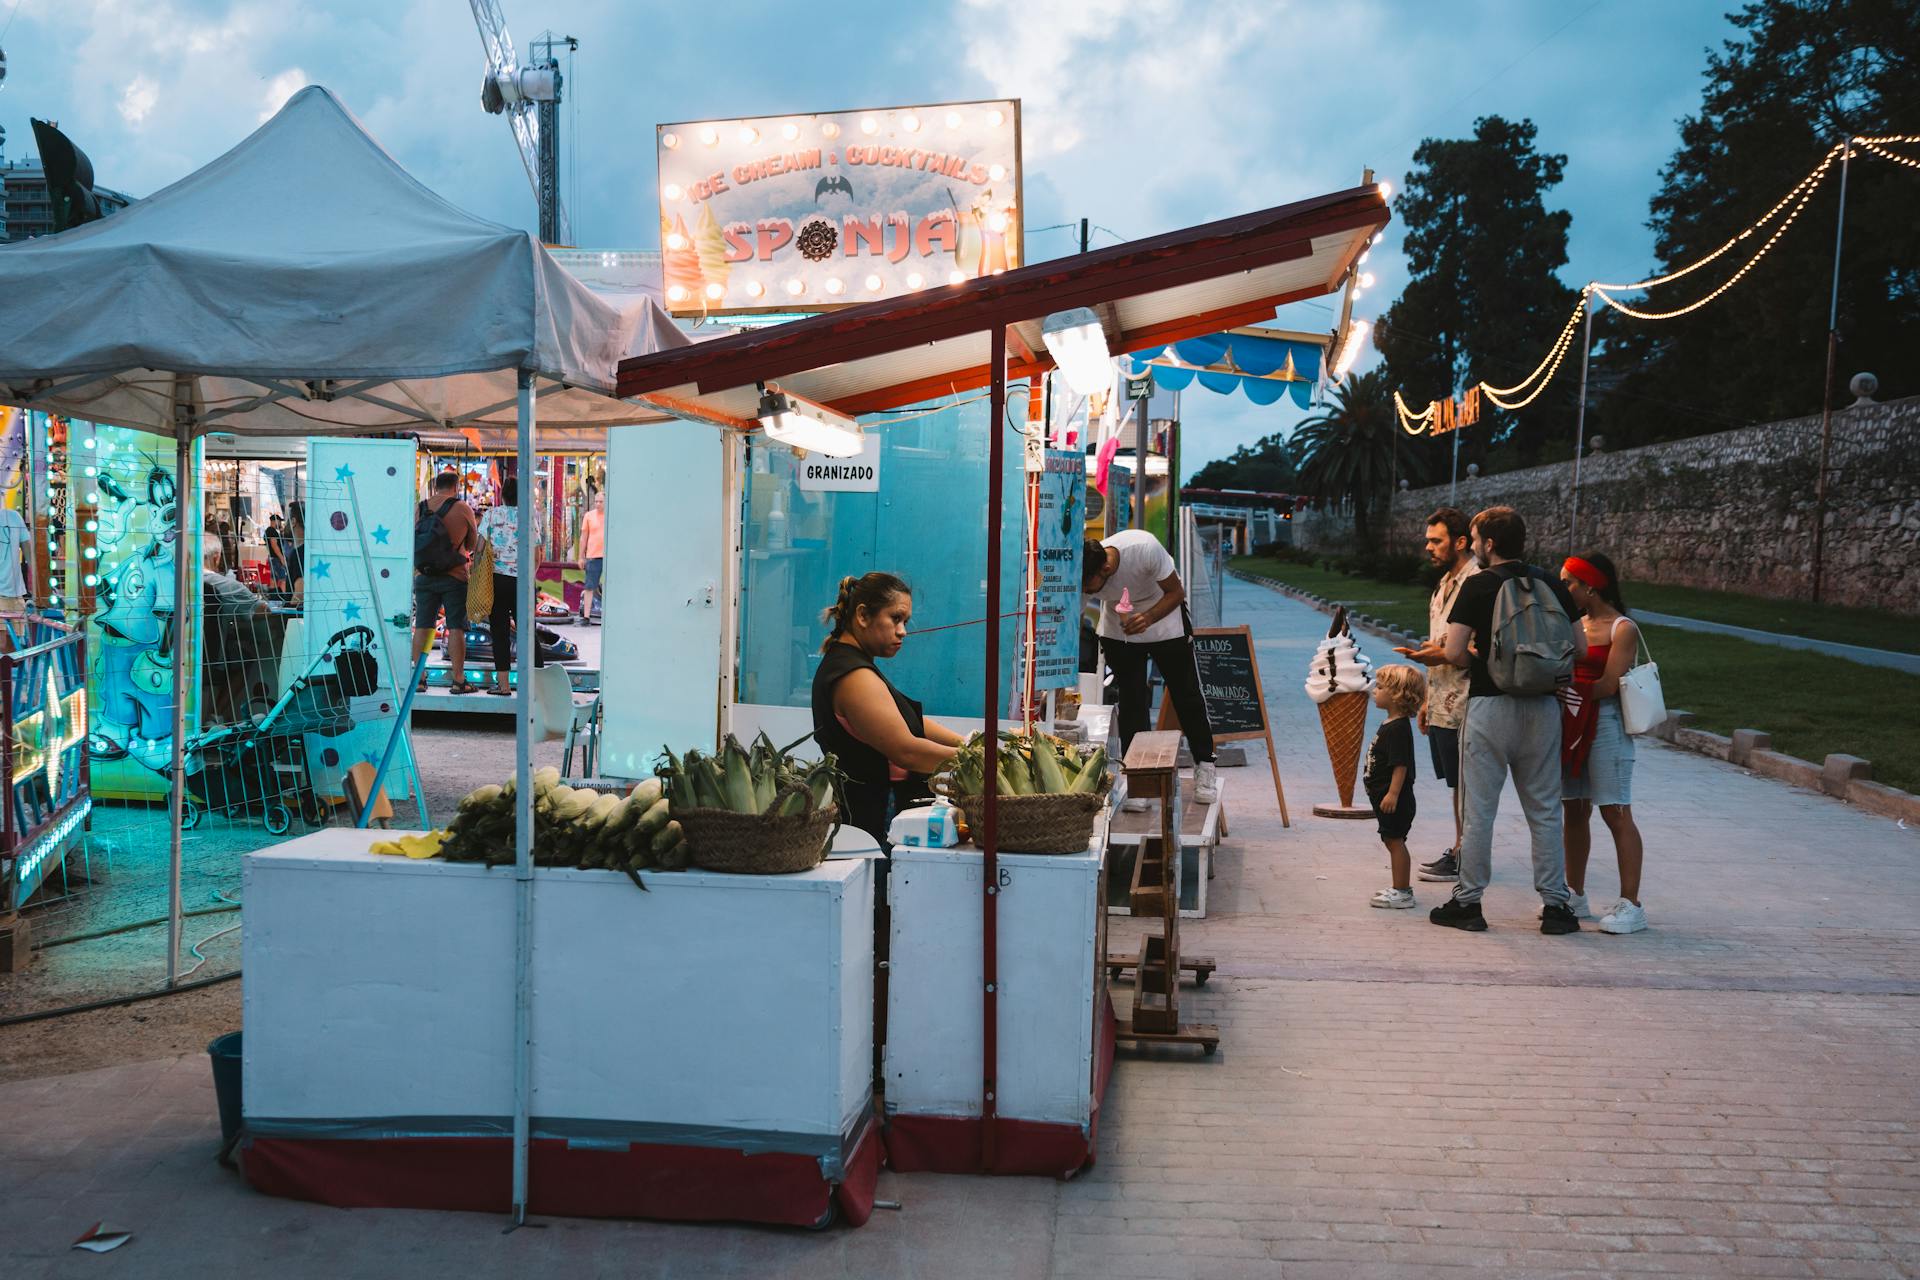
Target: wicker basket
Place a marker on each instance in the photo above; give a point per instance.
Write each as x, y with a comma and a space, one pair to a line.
1060, 823
752, 844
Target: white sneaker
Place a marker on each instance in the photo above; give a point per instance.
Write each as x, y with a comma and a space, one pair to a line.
1577, 903
1626, 917
1394, 899
1206, 783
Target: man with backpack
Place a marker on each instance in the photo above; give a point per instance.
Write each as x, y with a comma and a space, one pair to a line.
443, 538
1512, 627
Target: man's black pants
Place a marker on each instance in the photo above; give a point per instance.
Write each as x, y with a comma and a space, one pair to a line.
1174, 660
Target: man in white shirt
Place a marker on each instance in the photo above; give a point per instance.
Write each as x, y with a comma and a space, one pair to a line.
1132, 569
13, 576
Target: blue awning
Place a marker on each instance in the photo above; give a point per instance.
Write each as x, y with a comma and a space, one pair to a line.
1263, 366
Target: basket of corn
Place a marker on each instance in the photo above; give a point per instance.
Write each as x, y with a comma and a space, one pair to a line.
1050, 794
757, 811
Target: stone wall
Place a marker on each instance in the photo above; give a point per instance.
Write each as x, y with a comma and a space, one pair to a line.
1732, 511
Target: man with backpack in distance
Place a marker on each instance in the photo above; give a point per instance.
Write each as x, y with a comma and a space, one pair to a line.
443, 539
1512, 627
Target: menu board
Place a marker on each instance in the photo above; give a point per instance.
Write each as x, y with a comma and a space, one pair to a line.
1058, 532
1230, 681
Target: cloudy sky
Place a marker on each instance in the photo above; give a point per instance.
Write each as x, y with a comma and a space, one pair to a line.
1142, 115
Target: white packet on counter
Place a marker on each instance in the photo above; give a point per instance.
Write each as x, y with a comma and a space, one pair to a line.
927, 827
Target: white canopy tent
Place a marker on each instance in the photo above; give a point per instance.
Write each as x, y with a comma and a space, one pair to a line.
305, 284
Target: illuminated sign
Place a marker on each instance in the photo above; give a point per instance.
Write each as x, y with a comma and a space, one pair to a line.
1451, 414
818, 473
811, 212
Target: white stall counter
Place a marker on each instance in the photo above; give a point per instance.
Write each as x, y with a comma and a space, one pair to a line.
713, 1010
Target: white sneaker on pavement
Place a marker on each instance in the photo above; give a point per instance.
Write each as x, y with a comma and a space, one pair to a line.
1577, 903
1626, 917
1394, 899
1206, 783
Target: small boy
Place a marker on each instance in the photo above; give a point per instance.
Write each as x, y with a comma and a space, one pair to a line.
1400, 692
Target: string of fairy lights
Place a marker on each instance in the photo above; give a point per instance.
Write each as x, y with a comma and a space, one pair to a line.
1438, 417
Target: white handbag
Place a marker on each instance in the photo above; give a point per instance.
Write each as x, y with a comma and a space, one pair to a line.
1643, 705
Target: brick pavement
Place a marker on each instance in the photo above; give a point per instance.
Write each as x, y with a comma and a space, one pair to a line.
1728, 1094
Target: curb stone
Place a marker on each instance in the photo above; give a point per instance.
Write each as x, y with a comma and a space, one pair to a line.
1844, 777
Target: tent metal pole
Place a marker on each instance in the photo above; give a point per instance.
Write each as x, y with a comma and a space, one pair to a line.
186, 544
990, 820
1580, 432
524, 650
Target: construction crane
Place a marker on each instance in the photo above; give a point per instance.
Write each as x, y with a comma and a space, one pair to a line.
530, 99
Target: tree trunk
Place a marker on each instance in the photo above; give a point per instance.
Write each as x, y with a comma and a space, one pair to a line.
1362, 531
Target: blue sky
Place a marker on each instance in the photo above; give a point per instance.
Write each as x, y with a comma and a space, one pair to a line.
1142, 115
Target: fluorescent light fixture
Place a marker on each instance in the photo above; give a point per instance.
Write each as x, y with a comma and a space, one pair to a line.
1079, 347
799, 423
1350, 349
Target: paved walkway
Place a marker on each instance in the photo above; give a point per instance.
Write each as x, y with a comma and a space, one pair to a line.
1908, 662
1731, 1093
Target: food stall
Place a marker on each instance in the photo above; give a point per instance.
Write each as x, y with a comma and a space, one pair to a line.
449, 1088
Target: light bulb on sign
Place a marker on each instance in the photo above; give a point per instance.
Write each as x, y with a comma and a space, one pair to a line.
996, 171
1386, 191
954, 120
830, 130
875, 284
796, 286
755, 289
869, 126
673, 191
716, 291
915, 280
709, 135
910, 122
748, 135
996, 118
956, 276
789, 131
670, 140
93, 499
91, 443
677, 293
93, 579
676, 241
834, 286
996, 222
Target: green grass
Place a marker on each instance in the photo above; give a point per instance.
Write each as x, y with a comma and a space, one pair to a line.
1873, 628
1811, 704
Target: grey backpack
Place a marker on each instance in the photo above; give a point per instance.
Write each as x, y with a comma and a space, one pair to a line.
1533, 644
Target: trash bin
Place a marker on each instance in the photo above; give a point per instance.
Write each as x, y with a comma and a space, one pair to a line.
225, 1052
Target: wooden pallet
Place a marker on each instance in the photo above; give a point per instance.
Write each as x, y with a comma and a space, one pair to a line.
1152, 769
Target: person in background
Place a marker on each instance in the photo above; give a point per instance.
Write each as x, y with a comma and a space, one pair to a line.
1446, 684
440, 580
1399, 691
275, 537
235, 641
886, 746
591, 553
1133, 568
1597, 754
295, 548
1505, 734
15, 578
500, 526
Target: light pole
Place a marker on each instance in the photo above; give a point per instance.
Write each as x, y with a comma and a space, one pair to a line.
1580, 418
1826, 395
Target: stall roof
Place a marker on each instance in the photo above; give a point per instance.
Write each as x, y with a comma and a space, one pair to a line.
1148, 294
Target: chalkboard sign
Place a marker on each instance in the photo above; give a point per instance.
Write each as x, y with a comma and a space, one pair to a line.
1236, 704
1230, 682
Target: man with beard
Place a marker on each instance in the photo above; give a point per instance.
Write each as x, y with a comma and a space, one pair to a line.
1446, 684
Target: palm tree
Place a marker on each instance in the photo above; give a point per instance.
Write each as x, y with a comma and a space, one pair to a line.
1350, 450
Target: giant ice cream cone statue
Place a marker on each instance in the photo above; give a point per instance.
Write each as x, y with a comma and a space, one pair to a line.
1340, 681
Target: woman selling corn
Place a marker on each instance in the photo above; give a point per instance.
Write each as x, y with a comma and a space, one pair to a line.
887, 748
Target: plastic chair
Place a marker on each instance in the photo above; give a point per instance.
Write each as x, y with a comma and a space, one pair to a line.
558, 712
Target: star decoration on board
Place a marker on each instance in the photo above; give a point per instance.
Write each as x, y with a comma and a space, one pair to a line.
381, 533
351, 611
343, 472
323, 569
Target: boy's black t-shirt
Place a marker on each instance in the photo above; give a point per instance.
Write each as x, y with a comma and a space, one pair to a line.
1392, 747
1473, 607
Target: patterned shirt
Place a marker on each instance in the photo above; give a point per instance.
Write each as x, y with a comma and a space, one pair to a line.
501, 527
1446, 684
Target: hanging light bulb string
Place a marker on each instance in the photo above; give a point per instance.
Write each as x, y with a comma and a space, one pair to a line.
1793, 204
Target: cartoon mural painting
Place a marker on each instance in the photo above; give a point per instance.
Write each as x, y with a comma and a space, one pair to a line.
137, 621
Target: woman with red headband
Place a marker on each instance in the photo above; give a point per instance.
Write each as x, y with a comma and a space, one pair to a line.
1597, 755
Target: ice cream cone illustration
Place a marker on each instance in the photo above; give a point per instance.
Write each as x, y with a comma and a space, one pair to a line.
1340, 681
682, 263
712, 248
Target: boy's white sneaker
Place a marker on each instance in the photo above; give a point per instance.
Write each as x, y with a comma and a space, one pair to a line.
1206, 783
1394, 899
1626, 917
1577, 903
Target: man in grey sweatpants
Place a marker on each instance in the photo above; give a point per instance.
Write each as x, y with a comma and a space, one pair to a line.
1504, 735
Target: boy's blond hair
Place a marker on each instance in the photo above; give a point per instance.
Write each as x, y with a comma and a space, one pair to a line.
1405, 687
